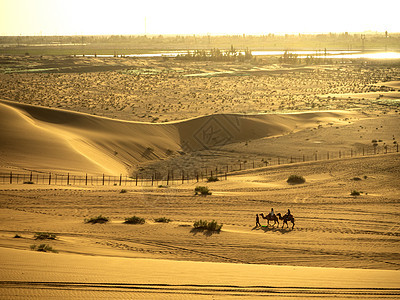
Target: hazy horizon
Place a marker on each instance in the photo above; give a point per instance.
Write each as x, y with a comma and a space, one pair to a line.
176, 17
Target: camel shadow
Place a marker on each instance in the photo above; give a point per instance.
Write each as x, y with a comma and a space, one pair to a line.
205, 232
272, 229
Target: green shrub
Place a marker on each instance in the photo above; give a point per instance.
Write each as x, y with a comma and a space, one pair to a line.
205, 225
134, 220
43, 248
203, 190
355, 193
123, 191
162, 220
212, 179
45, 236
99, 219
17, 236
295, 179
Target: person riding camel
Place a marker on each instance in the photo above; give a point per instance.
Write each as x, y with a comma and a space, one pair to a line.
272, 213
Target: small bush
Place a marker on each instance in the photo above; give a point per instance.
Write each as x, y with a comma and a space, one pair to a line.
17, 236
203, 190
212, 179
99, 219
295, 179
205, 225
356, 178
134, 220
45, 236
355, 193
29, 182
123, 191
43, 248
162, 220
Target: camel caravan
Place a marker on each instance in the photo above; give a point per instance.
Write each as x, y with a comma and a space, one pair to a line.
288, 217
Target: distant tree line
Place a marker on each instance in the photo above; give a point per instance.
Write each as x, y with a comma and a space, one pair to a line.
216, 55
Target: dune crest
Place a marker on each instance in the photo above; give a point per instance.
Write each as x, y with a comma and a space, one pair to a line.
42, 138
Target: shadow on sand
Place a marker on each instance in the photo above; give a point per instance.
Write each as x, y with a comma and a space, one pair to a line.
204, 231
272, 229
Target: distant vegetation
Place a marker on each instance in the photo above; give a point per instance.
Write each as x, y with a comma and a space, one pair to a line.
45, 236
295, 179
162, 220
99, 219
134, 220
217, 55
203, 190
43, 248
212, 179
205, 225
355, 193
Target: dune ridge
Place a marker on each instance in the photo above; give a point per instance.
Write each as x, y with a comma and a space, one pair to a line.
40, 138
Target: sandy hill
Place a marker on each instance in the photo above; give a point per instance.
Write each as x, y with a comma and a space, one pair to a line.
45, 139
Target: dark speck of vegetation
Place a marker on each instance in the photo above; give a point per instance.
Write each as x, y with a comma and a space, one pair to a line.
295, 179
99, 219
45, 236
134, 220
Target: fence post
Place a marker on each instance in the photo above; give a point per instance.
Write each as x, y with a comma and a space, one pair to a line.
68, 179
103, 179
49, 178
30, 177
226, 176
10, 177
152, 180
168, 178
183, 177
120, 179
197, 177
136, 178
86, 179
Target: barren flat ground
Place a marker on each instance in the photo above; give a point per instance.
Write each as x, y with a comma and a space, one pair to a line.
337, 126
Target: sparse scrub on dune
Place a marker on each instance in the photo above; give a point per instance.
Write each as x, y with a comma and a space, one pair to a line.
99, 219
355, 193
43, 248
162, 220
205, 225
212, 179
134, 220
203, 190
45, 236
123, 191
295, 179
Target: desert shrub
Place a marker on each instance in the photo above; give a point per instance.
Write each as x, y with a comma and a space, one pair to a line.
17, 236
295, 179
123, 191
203, 190
29, 182
162, 220
212, 179
43, 248
99, 219
355, 193
356, 178
45, 236
205, 225
134, 220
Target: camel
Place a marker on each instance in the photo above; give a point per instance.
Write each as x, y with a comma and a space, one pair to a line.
285, 219
270, 218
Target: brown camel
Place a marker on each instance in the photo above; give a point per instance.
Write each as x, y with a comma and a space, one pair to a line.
285, 219
270, 218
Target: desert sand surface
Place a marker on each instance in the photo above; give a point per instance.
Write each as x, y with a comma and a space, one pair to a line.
337, 126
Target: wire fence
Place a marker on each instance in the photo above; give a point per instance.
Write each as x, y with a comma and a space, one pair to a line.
176, 177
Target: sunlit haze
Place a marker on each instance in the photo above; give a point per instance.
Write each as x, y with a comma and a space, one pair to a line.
59, 17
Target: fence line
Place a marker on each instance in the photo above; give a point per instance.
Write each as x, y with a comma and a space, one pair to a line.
172, 177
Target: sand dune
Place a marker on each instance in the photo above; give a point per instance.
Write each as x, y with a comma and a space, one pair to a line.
113, 277
45, 139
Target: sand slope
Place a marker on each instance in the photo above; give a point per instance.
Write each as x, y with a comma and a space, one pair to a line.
68, 276
44, 139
